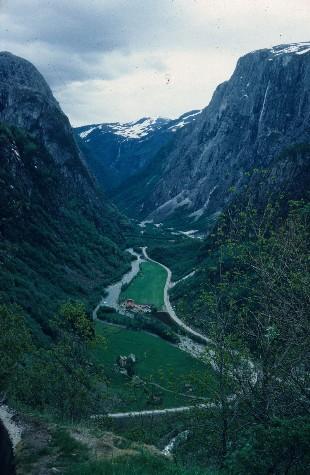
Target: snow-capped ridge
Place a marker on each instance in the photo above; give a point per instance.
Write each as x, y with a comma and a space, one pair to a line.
138, 129
129, 130
185, 119
141, 128
292, 48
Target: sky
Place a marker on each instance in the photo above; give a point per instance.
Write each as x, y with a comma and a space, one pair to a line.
119, 60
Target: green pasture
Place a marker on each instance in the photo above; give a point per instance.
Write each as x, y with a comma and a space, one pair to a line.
148, 286
157, 362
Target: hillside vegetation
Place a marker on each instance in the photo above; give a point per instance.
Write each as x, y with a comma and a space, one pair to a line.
54, 245
251, 296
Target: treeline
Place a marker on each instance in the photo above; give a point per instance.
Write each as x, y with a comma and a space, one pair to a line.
61, 378
138, 323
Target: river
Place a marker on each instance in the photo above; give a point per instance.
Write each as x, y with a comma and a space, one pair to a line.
113, 291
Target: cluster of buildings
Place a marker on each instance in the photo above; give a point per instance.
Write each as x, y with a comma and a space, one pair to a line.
130, 306
125, 364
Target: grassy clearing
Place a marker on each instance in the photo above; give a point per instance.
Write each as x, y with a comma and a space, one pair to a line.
143, 464
182, 258
148, 286
157, 362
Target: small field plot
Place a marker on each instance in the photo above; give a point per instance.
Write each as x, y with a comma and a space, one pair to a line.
148, 286
156, 362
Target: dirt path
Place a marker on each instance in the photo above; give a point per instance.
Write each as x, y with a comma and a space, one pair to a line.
149, 413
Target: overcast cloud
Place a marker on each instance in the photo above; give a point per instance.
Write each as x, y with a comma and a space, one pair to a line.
118, 60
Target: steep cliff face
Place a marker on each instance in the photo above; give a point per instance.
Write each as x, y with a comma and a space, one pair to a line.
27, 102
116, 151
59, 237
252, 119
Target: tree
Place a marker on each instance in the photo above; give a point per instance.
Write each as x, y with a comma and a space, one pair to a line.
257, 306
15, 342
63, 379
72, 318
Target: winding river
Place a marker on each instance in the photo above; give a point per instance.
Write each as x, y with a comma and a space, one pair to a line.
113, 291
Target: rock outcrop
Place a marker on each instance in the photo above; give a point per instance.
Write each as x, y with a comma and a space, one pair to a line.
27, 102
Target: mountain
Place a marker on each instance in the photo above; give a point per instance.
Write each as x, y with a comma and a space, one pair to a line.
116, 151
27, 102
59, 236
258, 121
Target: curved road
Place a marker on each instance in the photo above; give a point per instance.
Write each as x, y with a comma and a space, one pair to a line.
190, 331
170, 310
154, 412
168, 305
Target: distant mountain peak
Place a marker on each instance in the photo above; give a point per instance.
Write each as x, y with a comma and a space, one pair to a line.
140, 128
117, 150
136, 129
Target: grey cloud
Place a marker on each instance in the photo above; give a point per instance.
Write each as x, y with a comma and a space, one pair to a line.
86, 26
112, 41
72, 41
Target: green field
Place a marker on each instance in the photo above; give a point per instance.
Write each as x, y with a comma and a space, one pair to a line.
157, 362
148, 286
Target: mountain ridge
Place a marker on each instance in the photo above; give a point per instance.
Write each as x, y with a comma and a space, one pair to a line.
116, 151
251, 119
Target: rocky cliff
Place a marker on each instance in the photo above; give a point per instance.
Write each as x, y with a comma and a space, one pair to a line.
258, 120
27, 102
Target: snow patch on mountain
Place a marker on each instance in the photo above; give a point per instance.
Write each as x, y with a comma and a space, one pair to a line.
295, 48
85, 133
128, 130
184, 121
139, 129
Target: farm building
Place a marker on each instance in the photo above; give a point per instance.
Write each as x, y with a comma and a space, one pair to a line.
131, 306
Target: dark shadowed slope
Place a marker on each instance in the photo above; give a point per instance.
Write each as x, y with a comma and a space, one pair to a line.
60, 237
